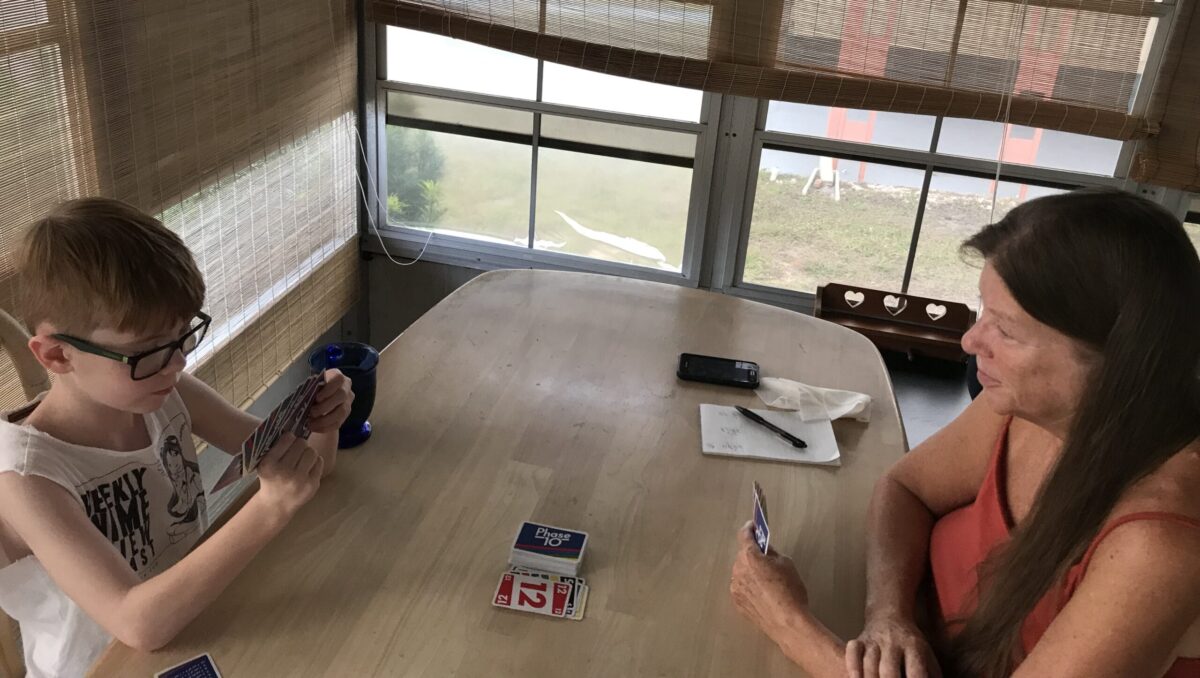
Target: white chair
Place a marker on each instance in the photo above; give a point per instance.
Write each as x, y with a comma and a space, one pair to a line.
34, 380
12, 662
13, 338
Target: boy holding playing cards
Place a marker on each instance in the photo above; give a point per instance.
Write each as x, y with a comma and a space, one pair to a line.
100, 500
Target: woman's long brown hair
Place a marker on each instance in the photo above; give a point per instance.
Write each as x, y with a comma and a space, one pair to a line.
1117, 273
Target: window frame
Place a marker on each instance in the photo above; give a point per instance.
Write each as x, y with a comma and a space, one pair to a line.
402, 241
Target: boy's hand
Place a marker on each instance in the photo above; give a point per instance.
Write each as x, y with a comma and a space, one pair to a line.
332, 403
289, 475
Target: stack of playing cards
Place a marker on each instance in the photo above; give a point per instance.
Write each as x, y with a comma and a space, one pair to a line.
549, 549
554, 595
545, 560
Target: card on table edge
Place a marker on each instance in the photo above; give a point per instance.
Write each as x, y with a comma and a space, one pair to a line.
581, 604
201, 661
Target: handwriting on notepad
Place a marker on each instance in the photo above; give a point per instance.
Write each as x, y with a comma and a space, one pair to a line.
723, 432
731, 445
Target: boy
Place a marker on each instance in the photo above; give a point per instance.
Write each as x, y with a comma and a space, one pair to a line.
100, 499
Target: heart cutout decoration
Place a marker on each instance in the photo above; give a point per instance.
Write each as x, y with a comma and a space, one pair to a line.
935, 311
853, 299
894, 304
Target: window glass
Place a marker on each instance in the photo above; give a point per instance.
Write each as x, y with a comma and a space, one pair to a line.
819, 219
612, 209
957, 207
437, 61
458, 185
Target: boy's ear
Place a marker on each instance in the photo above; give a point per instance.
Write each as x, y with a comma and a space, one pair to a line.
51, 353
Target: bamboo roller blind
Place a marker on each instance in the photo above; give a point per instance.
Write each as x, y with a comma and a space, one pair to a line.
232, 121
1071, 65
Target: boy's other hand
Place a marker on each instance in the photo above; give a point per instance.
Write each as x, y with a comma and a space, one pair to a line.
289, 475
332, 403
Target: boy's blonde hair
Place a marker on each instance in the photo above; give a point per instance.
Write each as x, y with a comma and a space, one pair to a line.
96, 262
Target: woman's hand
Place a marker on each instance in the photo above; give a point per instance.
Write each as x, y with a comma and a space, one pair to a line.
331, 405
891, 647
766, 588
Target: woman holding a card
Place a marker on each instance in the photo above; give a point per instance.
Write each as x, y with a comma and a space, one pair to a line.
1057, 519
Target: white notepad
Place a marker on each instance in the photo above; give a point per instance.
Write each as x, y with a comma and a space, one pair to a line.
724, 431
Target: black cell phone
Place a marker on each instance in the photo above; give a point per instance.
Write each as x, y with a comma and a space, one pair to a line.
723, 371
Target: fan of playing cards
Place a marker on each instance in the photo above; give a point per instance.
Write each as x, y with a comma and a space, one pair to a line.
290, 416
545, 560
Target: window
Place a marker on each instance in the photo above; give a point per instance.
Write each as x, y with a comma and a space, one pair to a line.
884, 200
588, 89
1029, 146
509, 161
426, 59
898, 130
956, 208
809, 228
497, 150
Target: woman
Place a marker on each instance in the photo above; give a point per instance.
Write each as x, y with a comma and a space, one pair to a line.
1059, 514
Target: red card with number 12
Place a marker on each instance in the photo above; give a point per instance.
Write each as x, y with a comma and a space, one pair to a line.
532, 594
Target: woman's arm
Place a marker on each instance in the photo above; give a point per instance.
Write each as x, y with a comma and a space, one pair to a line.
1139, 597
939, 475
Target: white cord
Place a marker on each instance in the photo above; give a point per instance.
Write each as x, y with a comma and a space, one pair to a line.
362, 152
371, 212
1012, 83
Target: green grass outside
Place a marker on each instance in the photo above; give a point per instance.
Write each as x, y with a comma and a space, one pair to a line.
485, 189
796, 241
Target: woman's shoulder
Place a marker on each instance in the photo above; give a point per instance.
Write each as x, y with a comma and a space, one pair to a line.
1173, 488
1153, 533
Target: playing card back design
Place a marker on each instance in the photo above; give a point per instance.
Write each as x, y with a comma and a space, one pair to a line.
762, 533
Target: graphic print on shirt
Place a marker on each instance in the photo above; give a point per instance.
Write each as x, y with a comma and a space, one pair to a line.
118, 504
187, 503
150, 504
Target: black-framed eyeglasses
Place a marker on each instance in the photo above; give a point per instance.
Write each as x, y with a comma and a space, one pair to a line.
147, 363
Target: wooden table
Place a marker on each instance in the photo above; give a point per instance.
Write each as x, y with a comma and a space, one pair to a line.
553, 397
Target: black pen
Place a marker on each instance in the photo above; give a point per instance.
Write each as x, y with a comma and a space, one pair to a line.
796, 442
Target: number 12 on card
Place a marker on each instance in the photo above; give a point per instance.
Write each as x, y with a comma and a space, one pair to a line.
532, 594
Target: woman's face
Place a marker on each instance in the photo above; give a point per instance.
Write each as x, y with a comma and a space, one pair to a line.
1027, 369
